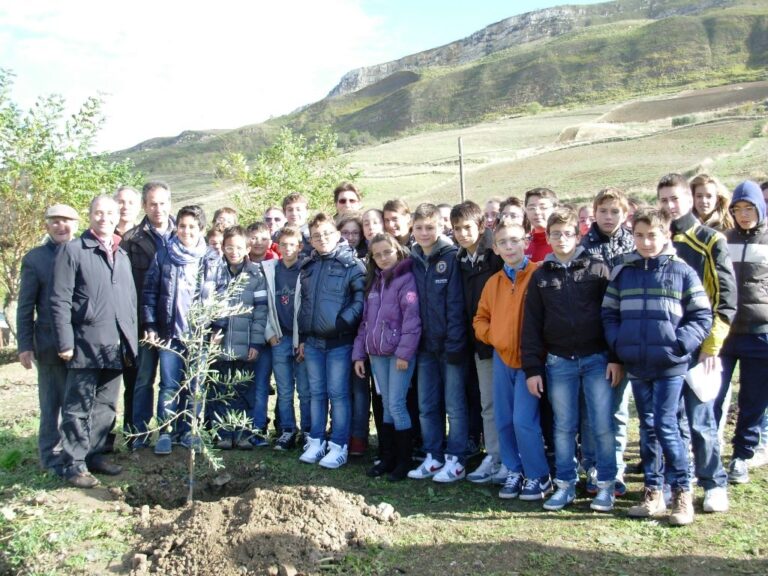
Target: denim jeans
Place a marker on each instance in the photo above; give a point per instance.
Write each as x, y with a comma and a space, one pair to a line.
516, 410
51, 386
566, 379
258, 393
231, 400
702, 435
171, 398
394, 385
620, 411
657, 401
328, 371
143, 391
88, 413
484, 368
361, 405
289, 376
442, 392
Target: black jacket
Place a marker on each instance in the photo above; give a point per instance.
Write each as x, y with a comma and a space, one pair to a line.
34, 323
563, 309
474, 275
93, 304
611, 249
332, 296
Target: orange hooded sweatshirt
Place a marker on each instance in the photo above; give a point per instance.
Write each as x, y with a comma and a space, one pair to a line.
499, 318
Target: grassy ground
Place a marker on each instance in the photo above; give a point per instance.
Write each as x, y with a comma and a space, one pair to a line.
47, 528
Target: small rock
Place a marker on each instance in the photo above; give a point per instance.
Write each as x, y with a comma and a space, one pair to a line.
273, 571
144, 513
7, 513
287, 570
40, 498
385, 511
139, 561
222, 479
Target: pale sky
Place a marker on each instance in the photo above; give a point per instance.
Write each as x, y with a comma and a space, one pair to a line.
165, 66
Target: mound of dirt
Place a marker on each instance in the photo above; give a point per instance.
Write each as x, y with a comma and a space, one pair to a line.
286, 530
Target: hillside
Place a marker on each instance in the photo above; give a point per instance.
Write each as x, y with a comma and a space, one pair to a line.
572, 56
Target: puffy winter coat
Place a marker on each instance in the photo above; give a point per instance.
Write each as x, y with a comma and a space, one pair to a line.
332, 296
611, 249
562, 311
391, 324
441, 300
244, 331
655, 315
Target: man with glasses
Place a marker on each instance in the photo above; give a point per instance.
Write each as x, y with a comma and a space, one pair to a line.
275, 220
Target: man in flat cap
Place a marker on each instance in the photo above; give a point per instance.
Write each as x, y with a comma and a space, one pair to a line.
36, 344
93, 303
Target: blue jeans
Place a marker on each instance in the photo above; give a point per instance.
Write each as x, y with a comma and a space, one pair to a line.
328, 371
51, 386
566, 379
289, 373
521, 443
620, 411
361, 405
143, 391
258, 394
657, 401
171, 398
701, 433
393, 384
441, 392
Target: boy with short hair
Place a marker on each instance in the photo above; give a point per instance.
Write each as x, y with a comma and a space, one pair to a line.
332, 297
539, 204
398, 222
225, 217
498, 322
283, 292
260, 243
478, 262
563, 335
440, 361
655, 316
296, 210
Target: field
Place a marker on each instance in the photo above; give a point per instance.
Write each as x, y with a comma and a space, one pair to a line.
266, 513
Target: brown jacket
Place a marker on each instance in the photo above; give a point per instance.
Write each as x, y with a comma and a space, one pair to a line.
499, 318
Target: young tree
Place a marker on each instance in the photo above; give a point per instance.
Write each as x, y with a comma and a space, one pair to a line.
45, 159
294, 163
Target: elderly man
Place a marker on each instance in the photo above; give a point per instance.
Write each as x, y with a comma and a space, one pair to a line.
93, 303
35, 331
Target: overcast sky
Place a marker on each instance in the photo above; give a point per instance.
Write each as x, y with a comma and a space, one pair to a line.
164, 66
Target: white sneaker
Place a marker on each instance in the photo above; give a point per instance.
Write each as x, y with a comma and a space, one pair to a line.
760, 457
716, 500
426, 469
485, 472
451, 472
500, 478
336, 457
314, 450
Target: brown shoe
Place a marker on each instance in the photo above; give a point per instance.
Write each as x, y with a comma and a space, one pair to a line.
104, 466
682, 508
651, 506
83, 480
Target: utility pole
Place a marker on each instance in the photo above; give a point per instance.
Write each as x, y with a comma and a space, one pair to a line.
461, 168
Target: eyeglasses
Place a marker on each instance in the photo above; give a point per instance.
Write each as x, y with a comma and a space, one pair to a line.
347, 201
323, 236
743, 210
233, 249
275, 219
543, 207
382, 254
511, 216
568, 234
508, 242
346, 233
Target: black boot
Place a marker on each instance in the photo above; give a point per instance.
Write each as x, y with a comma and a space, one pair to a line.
387, 456
403, 449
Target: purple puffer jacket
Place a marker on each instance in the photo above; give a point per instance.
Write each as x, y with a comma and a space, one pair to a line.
391, 324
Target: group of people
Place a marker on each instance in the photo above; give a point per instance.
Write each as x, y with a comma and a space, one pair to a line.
523, 325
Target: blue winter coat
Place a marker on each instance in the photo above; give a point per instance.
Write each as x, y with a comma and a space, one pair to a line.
655, 315
332, 296
441, 300
391, 324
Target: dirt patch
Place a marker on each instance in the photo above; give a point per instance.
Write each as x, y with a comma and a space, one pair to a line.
285, 530
689, 103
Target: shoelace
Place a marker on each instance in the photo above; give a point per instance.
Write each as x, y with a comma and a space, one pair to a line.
285, 437
512, 479
530, 484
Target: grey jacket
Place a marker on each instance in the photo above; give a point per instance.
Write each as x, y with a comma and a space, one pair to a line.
246, 330
93, 304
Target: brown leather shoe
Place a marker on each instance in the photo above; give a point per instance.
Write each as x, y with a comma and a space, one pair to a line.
104, 466
83, 480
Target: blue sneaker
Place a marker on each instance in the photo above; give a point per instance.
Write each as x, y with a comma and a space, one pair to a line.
164, 445
192, 442
258, 441
536, 488
512, 486
564, 495
604, 500
619, 488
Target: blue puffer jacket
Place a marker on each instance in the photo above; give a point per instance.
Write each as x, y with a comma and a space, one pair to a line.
332, 296
391, 323
441, 300
161, 290
655, 315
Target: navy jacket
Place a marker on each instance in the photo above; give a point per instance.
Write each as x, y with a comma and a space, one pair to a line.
93, 304
441, 300
332, 296
655, 315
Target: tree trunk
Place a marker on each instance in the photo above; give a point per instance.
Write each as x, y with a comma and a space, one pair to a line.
9, 309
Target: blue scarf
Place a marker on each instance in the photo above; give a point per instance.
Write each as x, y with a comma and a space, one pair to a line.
512, 272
